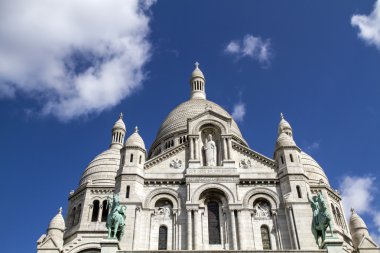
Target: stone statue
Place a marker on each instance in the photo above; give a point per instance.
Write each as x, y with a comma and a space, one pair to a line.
116, 218
321, 217
165, 209
210, 151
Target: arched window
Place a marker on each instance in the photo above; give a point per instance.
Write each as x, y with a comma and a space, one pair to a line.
105, 211
213, 223
162, 238
334, 213
299, 193
78, 213
291, 158
131, 159
282, 160
95, 211
339, 217
265, 237
140, 159
73, 214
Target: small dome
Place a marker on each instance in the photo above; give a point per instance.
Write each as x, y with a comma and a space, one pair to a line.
57, 222
285, 140
312, 169
197, 72
119, 124
102, 169
283, 125
135, 140
358, 229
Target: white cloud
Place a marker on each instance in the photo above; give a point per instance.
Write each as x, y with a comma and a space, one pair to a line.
238, 112
313, 146
252, 47
357, 193
74, 57
369, 26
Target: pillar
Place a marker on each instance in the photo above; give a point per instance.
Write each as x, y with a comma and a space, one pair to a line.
293, 228
229, 148
224, 148
191, 148
196, 149
240, 230
278, 234
233, 229
197, 230
136, 232
189, 230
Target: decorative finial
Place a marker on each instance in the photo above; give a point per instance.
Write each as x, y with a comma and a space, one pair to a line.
60, 210
282, 115
352, 210
121, 115
136, 129
196, 64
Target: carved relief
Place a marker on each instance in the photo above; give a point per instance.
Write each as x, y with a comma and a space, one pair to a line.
261, 209
176, 163
245, 163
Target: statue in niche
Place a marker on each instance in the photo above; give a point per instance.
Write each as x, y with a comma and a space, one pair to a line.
165, 209
210, 151
262, 209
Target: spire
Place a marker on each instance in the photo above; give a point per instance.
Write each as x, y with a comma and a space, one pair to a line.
118, 133
285, 134
197, 83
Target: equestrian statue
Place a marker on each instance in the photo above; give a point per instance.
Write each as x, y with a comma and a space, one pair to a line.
321, 217
116, 218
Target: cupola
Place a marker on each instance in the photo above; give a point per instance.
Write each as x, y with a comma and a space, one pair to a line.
197, 83
118, 133
285, 134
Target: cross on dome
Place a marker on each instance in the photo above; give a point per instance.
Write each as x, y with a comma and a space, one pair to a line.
196, 64
136, 129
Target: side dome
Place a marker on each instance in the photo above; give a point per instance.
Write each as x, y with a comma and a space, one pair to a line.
313, 170
119, 124
135, 140
102, 169
57, 222
176, 121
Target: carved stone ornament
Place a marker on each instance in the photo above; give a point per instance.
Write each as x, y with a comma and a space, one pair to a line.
245, 163
176, 163
261, 209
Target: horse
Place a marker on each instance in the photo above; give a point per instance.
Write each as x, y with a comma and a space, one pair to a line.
321, 222
115, 219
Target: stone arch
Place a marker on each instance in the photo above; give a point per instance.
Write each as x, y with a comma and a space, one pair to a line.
222, 128
157, 194
197, 193
264, 193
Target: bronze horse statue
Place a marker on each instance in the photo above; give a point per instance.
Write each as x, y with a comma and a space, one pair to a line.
116, 218
321, 218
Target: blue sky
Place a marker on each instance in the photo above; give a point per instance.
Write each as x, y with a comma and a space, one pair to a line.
68, 70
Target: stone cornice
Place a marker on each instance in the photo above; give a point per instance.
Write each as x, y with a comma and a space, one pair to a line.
254, 154
167, 154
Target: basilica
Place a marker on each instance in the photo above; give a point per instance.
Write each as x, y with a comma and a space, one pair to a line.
201, 187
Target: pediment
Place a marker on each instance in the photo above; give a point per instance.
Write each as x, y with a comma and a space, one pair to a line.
248, 157
367, 243
165, 160
211, 117
48, 243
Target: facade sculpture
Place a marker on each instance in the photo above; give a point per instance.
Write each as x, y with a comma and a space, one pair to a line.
201, 187
115, 219
210, 151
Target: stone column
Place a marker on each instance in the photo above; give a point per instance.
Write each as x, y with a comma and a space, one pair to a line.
278, 234
293, 228
191, 148
229, 148
233, 230
136, 231
196, 149
197, 229
189, 230
224, 148
100, 213
240, 230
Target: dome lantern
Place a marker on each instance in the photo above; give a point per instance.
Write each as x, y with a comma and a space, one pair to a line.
118, 133
197, 83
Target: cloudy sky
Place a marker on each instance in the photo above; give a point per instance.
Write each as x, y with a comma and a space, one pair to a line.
68, 68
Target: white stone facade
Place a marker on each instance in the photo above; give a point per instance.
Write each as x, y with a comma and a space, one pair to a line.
247, 201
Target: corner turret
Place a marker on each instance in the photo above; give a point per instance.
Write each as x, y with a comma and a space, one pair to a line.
360, 236
53, 241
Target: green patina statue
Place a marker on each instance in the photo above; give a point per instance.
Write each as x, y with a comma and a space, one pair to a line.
116, 218
321, 217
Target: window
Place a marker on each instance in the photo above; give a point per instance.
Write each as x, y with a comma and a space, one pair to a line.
131, 159
282, 160
95, 211
127, 192
105, 211
162, 238
291, 158
265, 237
140, 159
334, 213
213, 223
73, 214
78, 213
299, 193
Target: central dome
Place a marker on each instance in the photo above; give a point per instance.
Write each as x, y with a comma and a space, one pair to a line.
176, 121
